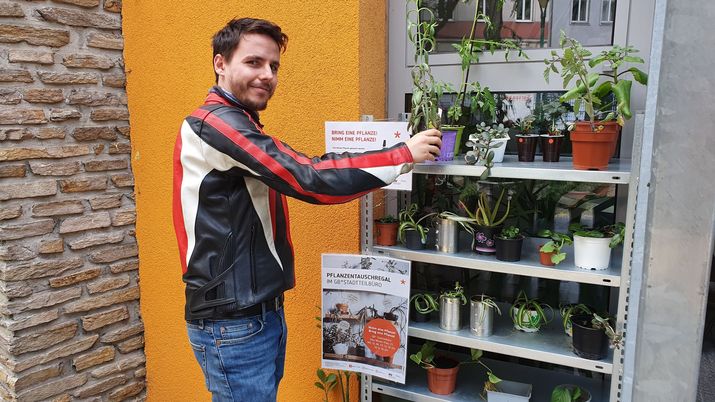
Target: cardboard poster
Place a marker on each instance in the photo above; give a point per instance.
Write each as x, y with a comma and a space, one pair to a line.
361, 136
364, 314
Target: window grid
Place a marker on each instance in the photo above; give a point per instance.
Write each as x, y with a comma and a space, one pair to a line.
608, 11
579, 11
523, 11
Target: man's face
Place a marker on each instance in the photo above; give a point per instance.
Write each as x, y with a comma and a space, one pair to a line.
252, 73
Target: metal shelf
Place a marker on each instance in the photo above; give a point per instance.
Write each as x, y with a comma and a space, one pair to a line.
528, 266
549, 345
471, 379
618, 171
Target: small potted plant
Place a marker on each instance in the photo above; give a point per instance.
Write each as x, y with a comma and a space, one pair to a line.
488, 144
411, 232
606, 97
508, 244
526, 139
487, 221
551, 252
337, 337
447, 236
481, 315
386, 230
569, 310
509, 391
570, 393
529, 315
450, 302
591, 336
552, 139
423, 304
592, 246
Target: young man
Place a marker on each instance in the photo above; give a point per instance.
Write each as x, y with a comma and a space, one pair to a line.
231, 180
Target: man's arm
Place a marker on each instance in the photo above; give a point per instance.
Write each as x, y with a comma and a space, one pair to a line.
229, 140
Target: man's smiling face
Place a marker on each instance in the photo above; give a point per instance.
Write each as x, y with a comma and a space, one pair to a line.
252, 73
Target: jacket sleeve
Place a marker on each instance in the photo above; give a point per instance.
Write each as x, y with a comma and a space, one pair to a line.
231, 141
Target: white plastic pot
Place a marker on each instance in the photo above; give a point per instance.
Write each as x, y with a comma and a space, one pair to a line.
592, 252
510, 391
499, 152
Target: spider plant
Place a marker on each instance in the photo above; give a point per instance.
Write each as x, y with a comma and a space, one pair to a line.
486, 214
569, 310
408, 222
424, 303
529, 315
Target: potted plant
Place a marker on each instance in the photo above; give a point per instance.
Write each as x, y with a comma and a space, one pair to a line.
423, 304
450, 301
386, 228
448, 224
487, 221
552, 139
529, 315
442, 370
481, 315
570, 393
509, 391
593, 334
336, 338
411, 232
592, 246
569, 310
594, 141
508, 243
488, 144
551, 252
526, 139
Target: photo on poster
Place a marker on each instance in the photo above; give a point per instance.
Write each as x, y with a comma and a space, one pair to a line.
364, 314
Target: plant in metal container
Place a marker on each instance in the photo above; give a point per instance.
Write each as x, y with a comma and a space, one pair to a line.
551, 253
423, 304
450, 302
508, 244
487, 221
569, 310
592, 246
605, 95
481, 314
591, 335
448, 230
570, 393
386, 230
411, 232
529, 315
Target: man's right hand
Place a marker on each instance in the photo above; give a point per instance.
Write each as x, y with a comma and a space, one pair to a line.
425, 145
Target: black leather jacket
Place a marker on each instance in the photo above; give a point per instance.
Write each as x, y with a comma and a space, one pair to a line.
230, 211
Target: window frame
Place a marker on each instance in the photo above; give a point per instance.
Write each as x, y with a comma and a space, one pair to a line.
580, 7
521, 6
612, 4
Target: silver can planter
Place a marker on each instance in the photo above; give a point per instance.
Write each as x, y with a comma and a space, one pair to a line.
481, 317
448, 235
449, 313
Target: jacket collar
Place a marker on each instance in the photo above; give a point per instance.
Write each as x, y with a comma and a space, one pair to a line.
220, 95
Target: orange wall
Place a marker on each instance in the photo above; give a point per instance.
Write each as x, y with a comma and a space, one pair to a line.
323, 77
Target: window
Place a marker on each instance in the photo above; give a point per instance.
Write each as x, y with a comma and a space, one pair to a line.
522, 9
579, 10
608, 11
482, 8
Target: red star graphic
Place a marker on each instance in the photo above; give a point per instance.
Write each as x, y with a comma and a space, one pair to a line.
402, 282
397, 134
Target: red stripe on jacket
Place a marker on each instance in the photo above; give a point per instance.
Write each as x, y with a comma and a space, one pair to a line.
266, 160
179, 228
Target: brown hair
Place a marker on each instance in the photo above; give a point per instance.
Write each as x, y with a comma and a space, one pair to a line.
226, 40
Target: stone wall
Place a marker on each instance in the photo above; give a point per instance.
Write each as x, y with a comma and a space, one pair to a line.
70, 325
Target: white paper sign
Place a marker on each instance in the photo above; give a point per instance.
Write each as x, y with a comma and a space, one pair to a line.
364, 314
361, 136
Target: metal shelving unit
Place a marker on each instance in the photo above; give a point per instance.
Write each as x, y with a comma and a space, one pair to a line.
550, 345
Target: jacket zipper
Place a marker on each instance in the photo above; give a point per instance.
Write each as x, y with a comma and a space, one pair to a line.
253, 258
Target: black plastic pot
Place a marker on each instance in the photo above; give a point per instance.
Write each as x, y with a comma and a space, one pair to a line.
413, 240
551, 147
418, 317
509, 249
360, 351
588, 342
484, 239
526, 147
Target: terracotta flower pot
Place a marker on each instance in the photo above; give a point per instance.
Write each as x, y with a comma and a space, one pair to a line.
386, 234
545, 258
443, 381
592, 150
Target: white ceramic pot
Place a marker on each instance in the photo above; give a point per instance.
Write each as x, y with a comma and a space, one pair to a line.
592, 252
528, 316
340, 348
499, 152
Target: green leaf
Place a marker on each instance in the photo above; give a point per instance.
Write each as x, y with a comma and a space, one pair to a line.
633, 59
560, 394
331, 378
557, 258
476, 354
639, 75
493, 379
321, 375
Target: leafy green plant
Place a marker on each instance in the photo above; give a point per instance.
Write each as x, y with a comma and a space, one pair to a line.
483, 145
456, 293
408, 222
525, 125
529, 313
593, 90
557, 242
486, 214
603, 322
326, 383
554, 112
510, 233
566, 393
421, 28
487, 301
424, 303
569, 310
616, 232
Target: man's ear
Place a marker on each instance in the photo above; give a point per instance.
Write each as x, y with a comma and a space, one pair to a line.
219, 64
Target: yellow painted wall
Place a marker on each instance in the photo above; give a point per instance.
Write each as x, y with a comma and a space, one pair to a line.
334, 69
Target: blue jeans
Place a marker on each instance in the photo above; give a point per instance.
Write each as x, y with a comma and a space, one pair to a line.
242, 359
